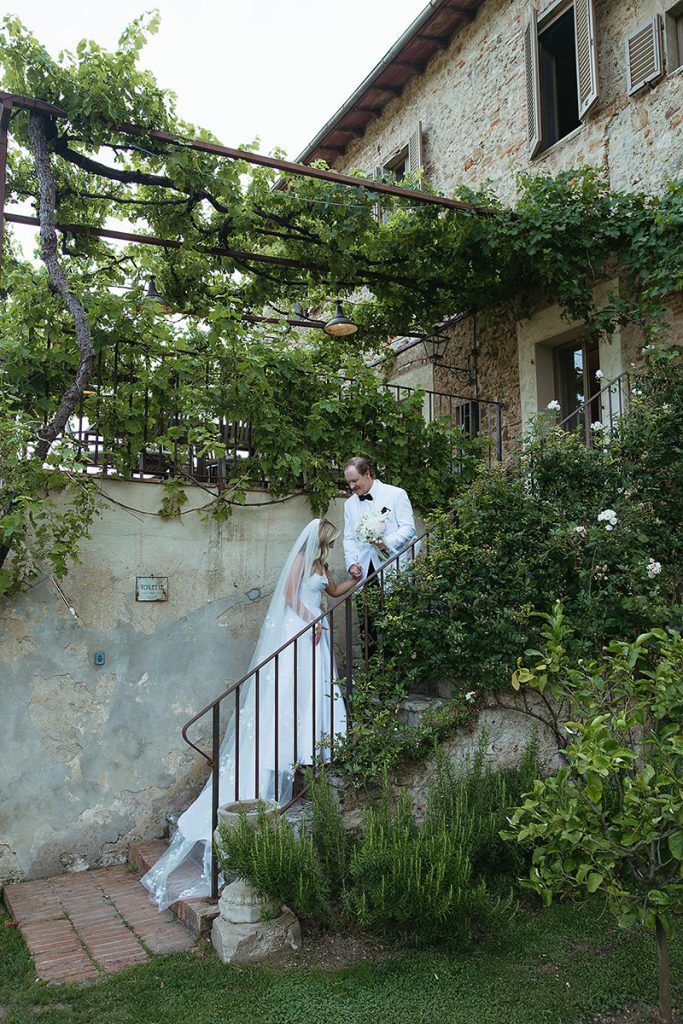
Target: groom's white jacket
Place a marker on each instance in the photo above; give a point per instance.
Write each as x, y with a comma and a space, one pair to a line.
399, 530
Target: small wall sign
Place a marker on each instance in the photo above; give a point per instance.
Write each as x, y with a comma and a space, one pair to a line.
151, 588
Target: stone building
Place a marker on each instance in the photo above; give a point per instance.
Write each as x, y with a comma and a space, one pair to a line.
477, 90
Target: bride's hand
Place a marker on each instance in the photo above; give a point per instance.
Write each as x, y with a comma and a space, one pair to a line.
318, 632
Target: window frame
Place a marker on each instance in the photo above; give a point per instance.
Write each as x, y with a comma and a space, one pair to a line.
673, 36
586, 60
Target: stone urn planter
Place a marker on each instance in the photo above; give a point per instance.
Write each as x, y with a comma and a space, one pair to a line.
248, 929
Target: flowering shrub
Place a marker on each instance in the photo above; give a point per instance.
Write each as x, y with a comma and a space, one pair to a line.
598, 529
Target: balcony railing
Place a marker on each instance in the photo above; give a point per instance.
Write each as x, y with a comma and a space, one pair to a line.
119, 428
602, 411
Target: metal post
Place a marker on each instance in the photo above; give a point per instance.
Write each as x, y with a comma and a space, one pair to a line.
276, 726
216, 740
5, 112
257, 743
349, 647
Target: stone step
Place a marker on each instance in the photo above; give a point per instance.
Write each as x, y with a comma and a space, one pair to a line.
413, 708
196, 914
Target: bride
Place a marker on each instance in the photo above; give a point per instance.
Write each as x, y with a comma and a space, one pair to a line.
279, 715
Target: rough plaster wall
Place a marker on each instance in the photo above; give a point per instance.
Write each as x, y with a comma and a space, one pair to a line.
93, 757
471, 101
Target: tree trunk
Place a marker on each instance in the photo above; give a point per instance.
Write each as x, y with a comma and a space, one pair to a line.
37, 129
664, 976
38, 134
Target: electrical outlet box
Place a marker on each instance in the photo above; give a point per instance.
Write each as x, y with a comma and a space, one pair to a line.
99, 657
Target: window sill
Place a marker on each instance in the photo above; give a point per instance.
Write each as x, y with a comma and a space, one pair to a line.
558, 145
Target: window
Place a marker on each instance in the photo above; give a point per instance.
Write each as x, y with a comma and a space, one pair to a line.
409, 159
644, 56
561, 70
674, 36
577, 382
399, 166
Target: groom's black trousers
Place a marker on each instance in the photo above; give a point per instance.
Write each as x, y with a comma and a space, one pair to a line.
370, 634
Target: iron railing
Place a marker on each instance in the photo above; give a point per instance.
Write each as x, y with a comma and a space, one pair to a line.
346, 649
119, 421
602, 411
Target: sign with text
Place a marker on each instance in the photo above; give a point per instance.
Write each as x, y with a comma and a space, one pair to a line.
151, 588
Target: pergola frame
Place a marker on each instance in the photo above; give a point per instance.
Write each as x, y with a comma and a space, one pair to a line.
11, 101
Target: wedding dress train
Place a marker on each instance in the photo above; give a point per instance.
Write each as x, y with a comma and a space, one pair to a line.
287, 706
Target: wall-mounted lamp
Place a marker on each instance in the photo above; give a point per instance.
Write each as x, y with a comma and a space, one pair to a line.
435, 346
340, 326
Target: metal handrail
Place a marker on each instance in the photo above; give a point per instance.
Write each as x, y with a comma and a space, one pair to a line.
214, 707
616, 392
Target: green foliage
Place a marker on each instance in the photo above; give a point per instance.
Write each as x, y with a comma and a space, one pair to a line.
612, 818
380, 742
422, 882
44, 510
521, 538
489, 795
330, 839
280, 863
413, 881
205, 365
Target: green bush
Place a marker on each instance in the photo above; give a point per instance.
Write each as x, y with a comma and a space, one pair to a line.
489, 795
523, 537
278, 862
442, 880
413, 881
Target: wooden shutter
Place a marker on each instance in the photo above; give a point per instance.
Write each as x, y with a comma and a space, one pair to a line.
533, 86
416, 150
586, 54
644, 56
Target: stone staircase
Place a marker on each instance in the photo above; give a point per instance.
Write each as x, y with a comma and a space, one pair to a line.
196, 914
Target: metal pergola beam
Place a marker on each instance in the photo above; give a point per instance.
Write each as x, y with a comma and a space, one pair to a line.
239, 255
259, 159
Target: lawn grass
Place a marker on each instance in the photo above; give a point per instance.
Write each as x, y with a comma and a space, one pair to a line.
553, 966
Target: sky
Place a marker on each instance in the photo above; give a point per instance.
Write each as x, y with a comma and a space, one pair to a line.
272, 69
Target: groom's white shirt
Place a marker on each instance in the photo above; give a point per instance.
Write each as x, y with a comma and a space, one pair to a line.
399, 530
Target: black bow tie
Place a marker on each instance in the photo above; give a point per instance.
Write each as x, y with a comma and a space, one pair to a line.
365, 497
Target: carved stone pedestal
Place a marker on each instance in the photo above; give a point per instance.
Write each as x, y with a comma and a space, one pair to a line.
240, 934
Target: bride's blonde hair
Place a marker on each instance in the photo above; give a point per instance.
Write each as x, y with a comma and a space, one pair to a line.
327, 534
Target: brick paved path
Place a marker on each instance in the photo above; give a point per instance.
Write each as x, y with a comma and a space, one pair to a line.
78, 927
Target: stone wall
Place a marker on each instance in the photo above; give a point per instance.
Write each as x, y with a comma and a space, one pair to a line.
92, 757
471, 100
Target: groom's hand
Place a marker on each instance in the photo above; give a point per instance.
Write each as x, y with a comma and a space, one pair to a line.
355, 571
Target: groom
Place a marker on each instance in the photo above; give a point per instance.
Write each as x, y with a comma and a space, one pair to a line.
371, 495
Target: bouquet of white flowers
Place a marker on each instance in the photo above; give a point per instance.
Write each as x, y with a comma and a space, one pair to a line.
371, 527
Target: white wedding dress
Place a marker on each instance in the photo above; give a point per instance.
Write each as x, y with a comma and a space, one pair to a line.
298, 707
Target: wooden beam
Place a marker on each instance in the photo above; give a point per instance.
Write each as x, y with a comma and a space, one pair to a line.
438, 41
27, 103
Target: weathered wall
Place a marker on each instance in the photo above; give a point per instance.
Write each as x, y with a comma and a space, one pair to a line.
92, 757
471, 101
472, 104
